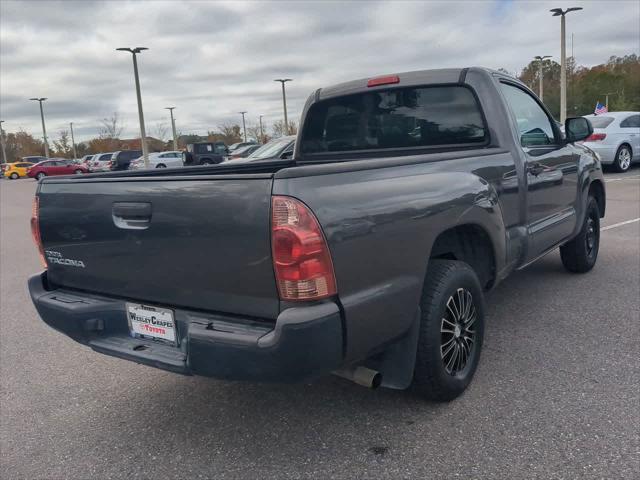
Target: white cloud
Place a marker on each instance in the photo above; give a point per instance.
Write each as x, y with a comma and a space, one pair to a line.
213, 59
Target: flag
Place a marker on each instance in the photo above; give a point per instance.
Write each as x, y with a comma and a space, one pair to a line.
600, 109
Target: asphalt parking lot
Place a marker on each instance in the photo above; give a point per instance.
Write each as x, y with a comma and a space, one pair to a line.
557, 393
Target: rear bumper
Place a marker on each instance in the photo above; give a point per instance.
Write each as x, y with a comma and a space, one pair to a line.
304, 343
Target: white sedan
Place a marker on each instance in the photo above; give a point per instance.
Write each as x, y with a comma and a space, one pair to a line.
616, 138
159, 160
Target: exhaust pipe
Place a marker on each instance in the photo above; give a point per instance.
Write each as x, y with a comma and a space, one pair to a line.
361, 375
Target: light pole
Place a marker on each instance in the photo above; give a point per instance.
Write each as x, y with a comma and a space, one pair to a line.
73, 142
558, 12
173, 128
4, 152
284, 102
540, 60
606, 96
44, 130
244, 127
143, 134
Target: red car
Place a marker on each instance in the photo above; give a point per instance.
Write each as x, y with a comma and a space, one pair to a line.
56, 167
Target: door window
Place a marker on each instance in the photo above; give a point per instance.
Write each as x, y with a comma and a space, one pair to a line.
631, 122
534, 125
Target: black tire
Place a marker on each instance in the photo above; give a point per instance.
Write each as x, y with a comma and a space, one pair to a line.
580, 254
40, 176
161, 165
435, 377
78, 172
14, 176
206, 161
623, 159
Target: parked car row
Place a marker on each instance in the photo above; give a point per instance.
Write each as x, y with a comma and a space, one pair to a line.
616, 139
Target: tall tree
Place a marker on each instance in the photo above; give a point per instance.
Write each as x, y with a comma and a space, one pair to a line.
230, 133
278, 129
254, 133
22, 144
160, 131
62, 146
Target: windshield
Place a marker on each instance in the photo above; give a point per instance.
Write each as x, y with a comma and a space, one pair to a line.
600, 122
271, 149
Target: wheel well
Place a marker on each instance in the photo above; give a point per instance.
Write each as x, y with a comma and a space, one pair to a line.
597, 191
625, 144
469, 244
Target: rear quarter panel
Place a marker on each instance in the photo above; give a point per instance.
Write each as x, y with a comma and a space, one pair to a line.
381, 224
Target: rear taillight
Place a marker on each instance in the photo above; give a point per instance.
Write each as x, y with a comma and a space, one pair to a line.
301, 257
596, 137
35, 230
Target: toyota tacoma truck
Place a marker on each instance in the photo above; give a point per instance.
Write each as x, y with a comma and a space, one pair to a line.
366, 255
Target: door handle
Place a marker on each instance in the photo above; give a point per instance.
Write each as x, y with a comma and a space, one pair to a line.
131, 215
535, 169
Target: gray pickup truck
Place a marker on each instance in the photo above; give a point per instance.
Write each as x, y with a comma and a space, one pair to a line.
367, 255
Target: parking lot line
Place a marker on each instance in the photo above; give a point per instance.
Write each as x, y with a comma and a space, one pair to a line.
622, 178
619, 224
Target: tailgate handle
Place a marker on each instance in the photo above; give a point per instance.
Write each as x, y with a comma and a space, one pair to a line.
132, 215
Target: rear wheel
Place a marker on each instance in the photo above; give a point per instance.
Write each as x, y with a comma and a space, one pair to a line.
41, 175
451, 330
580, 254
623, 158
161, 165
14, 176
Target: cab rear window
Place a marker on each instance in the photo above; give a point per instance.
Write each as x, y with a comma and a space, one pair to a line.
398, 118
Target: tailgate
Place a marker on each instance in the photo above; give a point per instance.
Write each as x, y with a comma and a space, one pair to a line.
198, 243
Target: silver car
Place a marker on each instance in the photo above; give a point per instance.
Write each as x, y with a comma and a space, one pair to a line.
616, 138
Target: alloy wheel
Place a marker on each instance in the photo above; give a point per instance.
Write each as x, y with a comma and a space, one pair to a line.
624, 158
457, 331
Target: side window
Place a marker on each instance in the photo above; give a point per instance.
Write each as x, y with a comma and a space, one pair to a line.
533, 123
631, 122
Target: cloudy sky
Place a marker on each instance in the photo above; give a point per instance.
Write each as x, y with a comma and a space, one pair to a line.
214, 59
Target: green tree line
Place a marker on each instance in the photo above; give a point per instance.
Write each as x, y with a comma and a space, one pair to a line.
619, 77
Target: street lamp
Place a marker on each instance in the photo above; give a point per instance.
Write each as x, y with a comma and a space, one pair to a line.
143, 134
73, 142
540, 60
606, 96
244, 127
44, 130
4, 152
261, 131
173, 128
284, 102
558, 12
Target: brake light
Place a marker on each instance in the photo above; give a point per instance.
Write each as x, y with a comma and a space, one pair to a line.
301, 258
35, 230
388, 80
596, 137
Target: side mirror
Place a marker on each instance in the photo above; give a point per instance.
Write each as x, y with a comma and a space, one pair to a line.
577, 129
